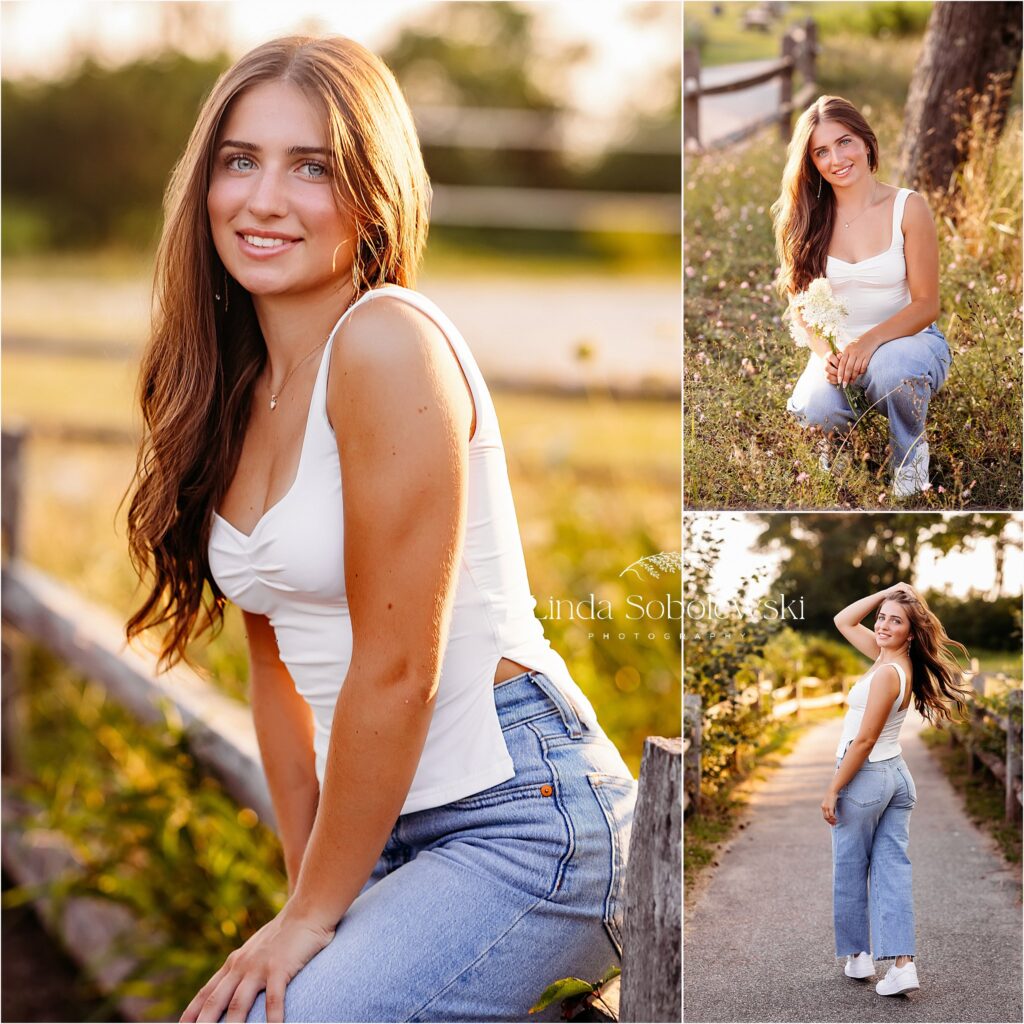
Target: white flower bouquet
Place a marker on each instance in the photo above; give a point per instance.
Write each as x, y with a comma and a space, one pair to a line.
826, 314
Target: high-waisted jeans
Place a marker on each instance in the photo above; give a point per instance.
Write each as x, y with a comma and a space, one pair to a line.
872, 902
474, 908
900, 379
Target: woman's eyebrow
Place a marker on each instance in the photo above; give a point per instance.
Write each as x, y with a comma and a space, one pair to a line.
251, 147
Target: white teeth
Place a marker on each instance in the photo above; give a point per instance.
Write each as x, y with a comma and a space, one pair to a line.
265, 243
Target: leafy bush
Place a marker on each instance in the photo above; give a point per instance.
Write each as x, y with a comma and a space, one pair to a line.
149, 830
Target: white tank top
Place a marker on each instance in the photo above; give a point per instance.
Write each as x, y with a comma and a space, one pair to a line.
291, 569
887, 744
876, 288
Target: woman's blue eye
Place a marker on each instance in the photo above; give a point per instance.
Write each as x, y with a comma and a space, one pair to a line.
238, 156
320, 168
843, 142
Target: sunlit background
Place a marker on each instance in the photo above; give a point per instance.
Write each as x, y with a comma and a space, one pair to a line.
551, 132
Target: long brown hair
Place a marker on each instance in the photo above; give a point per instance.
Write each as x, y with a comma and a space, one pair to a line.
803, 221
206, 349
937, 676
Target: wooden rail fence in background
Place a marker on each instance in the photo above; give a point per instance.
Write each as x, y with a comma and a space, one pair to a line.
799, 54
42, 610
1006, 769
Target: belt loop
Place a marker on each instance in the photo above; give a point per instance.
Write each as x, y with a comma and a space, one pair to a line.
565, 709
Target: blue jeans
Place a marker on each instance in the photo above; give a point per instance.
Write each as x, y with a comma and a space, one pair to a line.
901, 377
871, 874
474, 908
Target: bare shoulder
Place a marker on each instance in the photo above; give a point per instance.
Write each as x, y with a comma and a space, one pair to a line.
886, 679
387, 335
917, 213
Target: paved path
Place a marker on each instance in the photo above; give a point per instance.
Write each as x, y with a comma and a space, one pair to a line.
759, 943
729, 113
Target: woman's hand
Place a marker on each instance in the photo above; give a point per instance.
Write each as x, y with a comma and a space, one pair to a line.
832, 368
853, 361
905, 588
269, 960
828, 806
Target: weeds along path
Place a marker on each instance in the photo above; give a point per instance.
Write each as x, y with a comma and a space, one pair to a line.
759, 942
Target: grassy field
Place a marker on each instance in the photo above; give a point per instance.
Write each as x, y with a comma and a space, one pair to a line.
741, 447
722, 39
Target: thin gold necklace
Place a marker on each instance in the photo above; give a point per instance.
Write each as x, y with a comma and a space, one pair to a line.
274, 396
847, 223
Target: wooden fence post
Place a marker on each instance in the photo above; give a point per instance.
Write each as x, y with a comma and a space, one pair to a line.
789, 51
799, 699
652, 934
12, 454
1013, 757
809, 53
694, 722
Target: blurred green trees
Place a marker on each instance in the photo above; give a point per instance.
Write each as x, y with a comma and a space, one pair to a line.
87, 156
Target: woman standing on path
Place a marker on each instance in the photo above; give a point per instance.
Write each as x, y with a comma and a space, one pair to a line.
454, 820
876, 244
872, 793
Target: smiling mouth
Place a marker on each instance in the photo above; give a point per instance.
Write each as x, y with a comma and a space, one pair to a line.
842, 172
262, 242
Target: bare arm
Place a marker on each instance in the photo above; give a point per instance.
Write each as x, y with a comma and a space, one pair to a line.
284, 729
848, 622
406, 412
885, 686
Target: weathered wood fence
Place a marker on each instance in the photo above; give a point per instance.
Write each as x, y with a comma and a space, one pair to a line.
1008, 768
799, 54
39, 609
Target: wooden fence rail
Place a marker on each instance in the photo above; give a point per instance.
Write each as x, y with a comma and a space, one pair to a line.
1006, 769
799, 54
39, 609
776, 702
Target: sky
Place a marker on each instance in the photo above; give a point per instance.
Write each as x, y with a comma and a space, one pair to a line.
956, 573
39, 37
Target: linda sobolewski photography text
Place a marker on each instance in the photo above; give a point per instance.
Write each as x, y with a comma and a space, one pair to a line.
945, 127
766, 703
571, 310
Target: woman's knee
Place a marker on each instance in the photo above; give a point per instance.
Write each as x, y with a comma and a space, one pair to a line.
820, 410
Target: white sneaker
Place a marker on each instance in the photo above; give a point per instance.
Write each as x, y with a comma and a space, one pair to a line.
859, 966
899, 980
912, 477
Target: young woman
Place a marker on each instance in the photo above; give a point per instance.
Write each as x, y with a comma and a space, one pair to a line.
454, 821
876, 245
872, 793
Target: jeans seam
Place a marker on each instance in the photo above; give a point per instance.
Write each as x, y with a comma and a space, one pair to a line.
437, 995
557, 796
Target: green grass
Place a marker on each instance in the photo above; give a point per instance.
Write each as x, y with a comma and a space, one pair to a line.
741, 448
983, 795
722, 39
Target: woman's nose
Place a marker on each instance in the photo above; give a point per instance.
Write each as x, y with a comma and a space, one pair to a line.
267, 198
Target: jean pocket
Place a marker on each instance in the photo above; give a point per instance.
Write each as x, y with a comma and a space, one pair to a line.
616, 797
865, 788
908, 780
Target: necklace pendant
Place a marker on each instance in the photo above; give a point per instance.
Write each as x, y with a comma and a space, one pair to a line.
846, 225
273, 402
